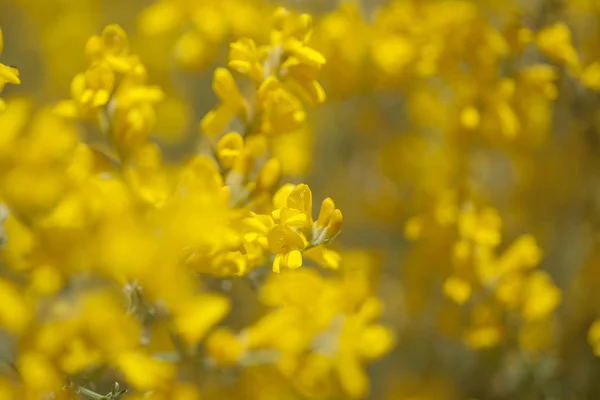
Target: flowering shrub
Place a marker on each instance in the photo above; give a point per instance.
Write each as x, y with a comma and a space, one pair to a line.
158, 238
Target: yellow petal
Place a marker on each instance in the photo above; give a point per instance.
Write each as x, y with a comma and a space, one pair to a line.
294, 259
9, 75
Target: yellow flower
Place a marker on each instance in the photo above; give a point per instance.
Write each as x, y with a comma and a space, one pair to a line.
298, 209
287, 245
144, 372
232, 103
361, 340
483, 227
590, 76
459, 290
229, 148
269, 175
224, 347
246, 58
301, 68
14, 314
198, 315
38, 373
392, 53
289, 26
541, 77
282, 112
523, 254
112, 47
147, 177
324, 256
329, 223
159, 17
470, 117
483, 337
555, 42
541, 296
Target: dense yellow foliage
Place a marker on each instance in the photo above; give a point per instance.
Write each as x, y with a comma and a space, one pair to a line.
158, 241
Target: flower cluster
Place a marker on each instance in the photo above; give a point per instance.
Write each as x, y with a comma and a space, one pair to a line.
168, 228
107, 247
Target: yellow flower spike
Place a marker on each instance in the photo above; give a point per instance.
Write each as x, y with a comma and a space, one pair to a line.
229, 148
245, 58
269, 175
1, 41
223, 347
